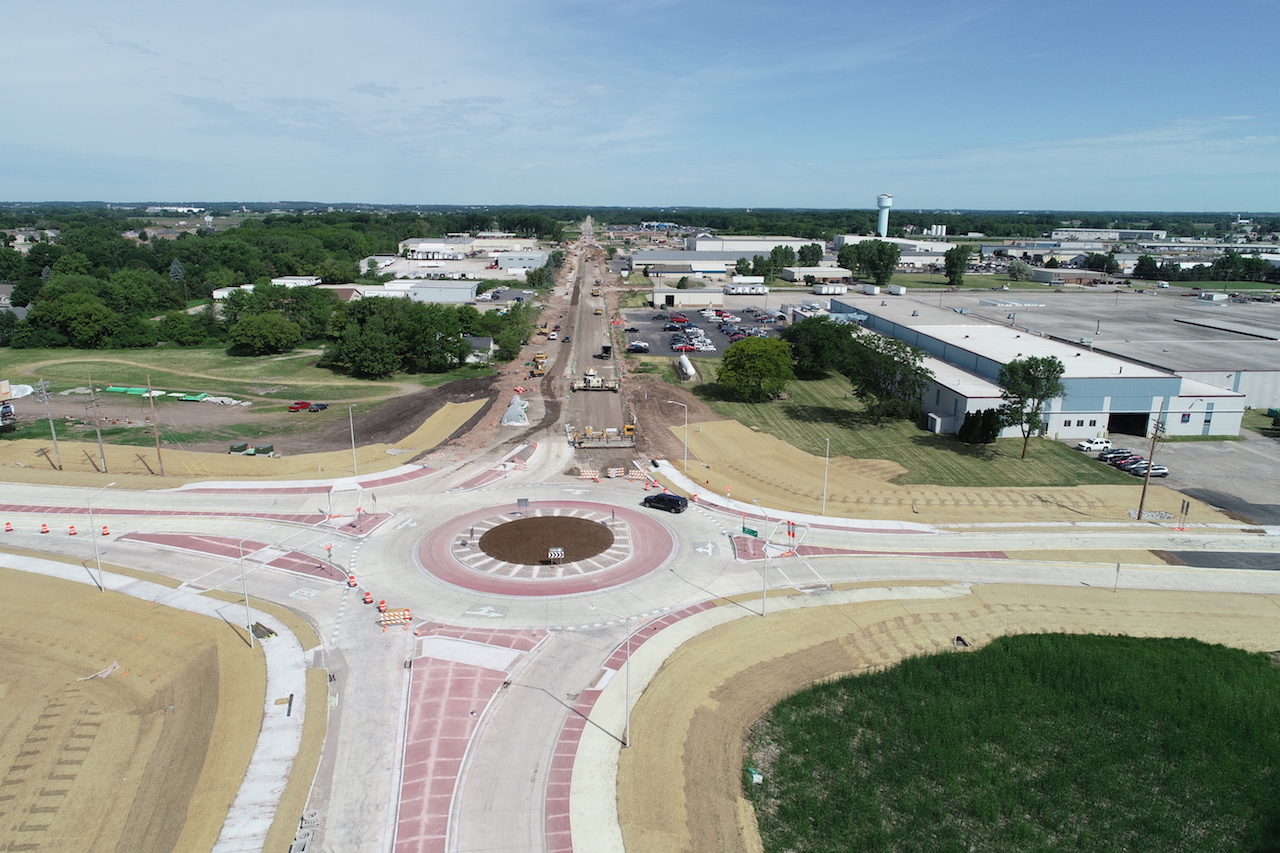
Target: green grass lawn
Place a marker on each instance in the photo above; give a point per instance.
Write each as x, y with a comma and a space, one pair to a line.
825, 408
283, 378
1035, 743
1259, 421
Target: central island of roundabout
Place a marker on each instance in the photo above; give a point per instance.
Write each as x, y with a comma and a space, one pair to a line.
516, 550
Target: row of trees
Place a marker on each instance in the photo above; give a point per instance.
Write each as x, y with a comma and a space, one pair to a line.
886, 373
1230, 266
329, 245
810, 255
375, 338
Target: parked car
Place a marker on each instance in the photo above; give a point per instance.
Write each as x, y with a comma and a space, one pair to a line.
1095, 444
671, 327
317, 407
1156, 471
682, 347
637, 346
1131, 462
1108, 455
675, 318
299, 405
659, 316
671, 503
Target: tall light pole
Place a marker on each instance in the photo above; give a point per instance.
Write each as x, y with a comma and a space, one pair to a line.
825, 468
97, 557
244, 585
686, 435
626, 737
351, 418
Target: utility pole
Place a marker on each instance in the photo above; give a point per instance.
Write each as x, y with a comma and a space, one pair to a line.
1156, 431
42, 390
155, 425
97, 423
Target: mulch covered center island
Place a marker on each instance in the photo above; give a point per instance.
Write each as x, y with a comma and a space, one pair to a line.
528, 541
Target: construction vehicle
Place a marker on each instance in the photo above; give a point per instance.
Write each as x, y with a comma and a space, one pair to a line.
602, 438
606, 352
539, 365
593, 381
595, 291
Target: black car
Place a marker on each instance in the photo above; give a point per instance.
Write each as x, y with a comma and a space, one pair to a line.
671, 503
317, 407
672, 327
1108, 455
631, 329
659, 316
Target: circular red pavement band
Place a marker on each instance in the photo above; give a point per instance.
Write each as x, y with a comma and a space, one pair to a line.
652, 544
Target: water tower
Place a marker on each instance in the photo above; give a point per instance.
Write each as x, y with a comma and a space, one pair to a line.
884, 201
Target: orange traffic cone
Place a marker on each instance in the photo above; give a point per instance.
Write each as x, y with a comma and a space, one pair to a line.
105, 532
44, 528
382, 606
73, 531
368, 598
351, 581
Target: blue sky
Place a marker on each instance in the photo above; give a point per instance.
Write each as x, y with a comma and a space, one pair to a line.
988, 104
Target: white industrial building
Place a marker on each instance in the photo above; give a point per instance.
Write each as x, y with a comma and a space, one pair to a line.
743, 246
694, 297
907, 247
816, 273
297, 280
1104, 394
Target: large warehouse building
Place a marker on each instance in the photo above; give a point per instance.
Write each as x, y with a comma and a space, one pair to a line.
1105, 393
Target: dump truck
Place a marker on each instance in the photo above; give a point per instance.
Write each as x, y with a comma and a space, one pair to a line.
539, 365
592, 381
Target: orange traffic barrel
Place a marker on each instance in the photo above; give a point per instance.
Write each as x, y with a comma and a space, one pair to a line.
382, 606
44, 528
105, 532
368, 598
73, 531
8, 527
351, 580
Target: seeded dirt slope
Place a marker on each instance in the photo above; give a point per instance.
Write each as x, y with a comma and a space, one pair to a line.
148, 757
679, 782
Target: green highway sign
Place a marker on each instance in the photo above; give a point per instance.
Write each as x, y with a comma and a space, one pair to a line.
750, 532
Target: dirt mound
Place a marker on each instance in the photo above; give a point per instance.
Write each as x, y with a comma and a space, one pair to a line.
526, 541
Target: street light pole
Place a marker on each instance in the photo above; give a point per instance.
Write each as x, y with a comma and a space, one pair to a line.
244, 585
97, 557
686, 435
352, 419
825, 468
626, 737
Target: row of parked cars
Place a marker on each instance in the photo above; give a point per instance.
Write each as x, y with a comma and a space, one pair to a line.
1123, 458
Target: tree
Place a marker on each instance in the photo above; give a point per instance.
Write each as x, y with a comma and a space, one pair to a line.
874, 258
1102, 263
268, 332
781, 256
176, 271
1146, 268
810, 255
683, 283
1052, 264
980, 427
955, 261
819, 345
888, 374
743, 267
756, 368
1019, 270
1028, 384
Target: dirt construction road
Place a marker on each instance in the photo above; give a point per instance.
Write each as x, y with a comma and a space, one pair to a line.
679, 782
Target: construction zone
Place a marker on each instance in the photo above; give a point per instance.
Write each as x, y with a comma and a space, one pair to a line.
593, 381
610, 437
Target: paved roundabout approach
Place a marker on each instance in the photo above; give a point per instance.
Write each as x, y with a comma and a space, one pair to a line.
451, 552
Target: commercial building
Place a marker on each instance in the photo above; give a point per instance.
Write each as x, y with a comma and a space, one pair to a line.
815, 273
694, 297
743, 246
1104, 393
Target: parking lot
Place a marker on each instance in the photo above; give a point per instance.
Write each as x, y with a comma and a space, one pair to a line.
656, 328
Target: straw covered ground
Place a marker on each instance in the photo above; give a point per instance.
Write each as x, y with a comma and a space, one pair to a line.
147, 757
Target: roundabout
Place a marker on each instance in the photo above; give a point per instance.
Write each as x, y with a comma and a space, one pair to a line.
548, 548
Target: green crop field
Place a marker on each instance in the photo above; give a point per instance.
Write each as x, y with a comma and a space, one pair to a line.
822, 409
1035, 743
